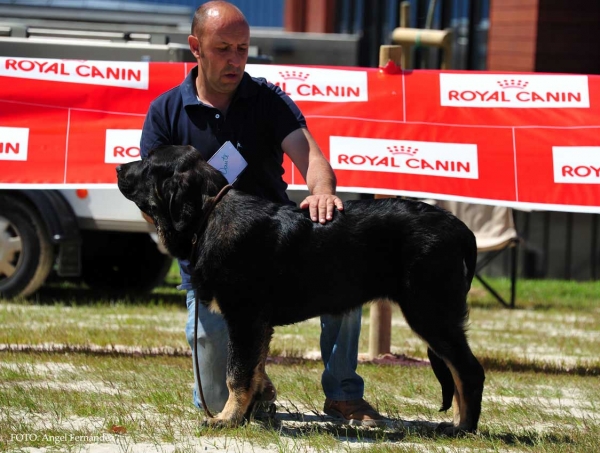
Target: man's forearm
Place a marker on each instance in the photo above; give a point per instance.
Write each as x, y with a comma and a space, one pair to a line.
320, 178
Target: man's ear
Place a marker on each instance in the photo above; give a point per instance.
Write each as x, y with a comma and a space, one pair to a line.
194, 44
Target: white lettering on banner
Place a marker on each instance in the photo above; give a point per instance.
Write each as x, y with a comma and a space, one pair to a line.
122, 145
514, 90
576, 164
14, 143
107, 73
315, 84
455, 160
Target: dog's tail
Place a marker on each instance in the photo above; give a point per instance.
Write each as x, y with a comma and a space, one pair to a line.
444, 376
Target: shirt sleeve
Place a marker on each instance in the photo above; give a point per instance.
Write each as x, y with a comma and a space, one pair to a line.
155, 131
285, 113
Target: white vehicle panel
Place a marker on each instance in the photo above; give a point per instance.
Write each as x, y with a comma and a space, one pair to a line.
106, 209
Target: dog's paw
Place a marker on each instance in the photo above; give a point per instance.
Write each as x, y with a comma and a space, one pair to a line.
451, 430
263, 411
219, 423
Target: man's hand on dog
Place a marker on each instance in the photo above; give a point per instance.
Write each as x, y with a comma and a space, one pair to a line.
321, 206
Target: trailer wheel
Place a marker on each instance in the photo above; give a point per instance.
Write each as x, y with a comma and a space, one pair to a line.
122, 263
26, 253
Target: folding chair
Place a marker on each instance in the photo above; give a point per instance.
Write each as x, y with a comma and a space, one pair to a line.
495, 231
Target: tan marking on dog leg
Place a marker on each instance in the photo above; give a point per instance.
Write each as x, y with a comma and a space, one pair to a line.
456, 407
260, 378
213, 306
459, 404
238, 402
260, 372
261, 368
235, 407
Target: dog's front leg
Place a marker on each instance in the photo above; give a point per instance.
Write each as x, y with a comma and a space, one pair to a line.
245, 371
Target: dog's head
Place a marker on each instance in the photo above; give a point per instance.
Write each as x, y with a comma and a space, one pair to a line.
170, 186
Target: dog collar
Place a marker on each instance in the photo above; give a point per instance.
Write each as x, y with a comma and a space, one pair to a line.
207, 212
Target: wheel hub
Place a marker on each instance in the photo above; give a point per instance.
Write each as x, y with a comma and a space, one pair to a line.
11, 247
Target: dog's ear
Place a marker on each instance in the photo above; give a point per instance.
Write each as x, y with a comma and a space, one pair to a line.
188, 180
181, 201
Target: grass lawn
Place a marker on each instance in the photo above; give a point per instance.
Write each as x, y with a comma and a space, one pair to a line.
79, 372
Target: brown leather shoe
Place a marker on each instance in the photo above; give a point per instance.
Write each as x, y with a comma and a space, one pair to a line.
354, 412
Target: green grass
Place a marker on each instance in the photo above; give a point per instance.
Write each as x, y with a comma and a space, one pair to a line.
125, 363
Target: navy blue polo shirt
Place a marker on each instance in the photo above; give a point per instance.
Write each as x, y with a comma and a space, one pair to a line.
257, 121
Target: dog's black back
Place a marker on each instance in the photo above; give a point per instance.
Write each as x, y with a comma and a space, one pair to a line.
297, 269
263, 264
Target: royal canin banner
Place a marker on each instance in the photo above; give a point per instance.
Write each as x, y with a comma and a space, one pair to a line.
523, 140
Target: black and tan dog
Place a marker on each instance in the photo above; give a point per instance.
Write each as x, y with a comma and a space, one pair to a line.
263, 264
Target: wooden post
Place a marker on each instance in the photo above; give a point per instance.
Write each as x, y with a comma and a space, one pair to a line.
380, 322
447, 46
428, 38
405, 23
390, 53
380, 332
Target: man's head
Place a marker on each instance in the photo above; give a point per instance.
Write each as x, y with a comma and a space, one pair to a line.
220, 39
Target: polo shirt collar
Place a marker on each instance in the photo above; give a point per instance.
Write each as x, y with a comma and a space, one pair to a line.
246, 88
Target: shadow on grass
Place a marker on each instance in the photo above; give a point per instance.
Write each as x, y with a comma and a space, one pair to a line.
297, 425
516, 365
528, 439
80, 295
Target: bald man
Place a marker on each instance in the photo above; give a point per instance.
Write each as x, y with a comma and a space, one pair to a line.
219, 102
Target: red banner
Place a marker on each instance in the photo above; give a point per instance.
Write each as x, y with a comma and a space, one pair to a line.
522, 140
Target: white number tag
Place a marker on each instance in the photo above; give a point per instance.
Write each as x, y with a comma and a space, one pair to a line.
228, 161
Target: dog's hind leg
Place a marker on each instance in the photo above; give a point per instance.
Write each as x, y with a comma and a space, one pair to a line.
468, 376
266, 394
444, 376
248, 347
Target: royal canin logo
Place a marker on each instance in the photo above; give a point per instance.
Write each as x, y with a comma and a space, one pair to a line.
576, 164
454, 160
14, 143
107, 73
523, 91
122, 145
315, 84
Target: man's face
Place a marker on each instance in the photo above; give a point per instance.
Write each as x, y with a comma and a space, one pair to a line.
222, 54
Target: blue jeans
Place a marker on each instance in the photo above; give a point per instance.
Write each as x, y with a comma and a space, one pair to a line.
339, 350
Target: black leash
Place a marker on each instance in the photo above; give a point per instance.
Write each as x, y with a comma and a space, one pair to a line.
196, 363
203, 221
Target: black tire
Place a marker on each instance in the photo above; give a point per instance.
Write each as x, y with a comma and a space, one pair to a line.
26, 253
122, 263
